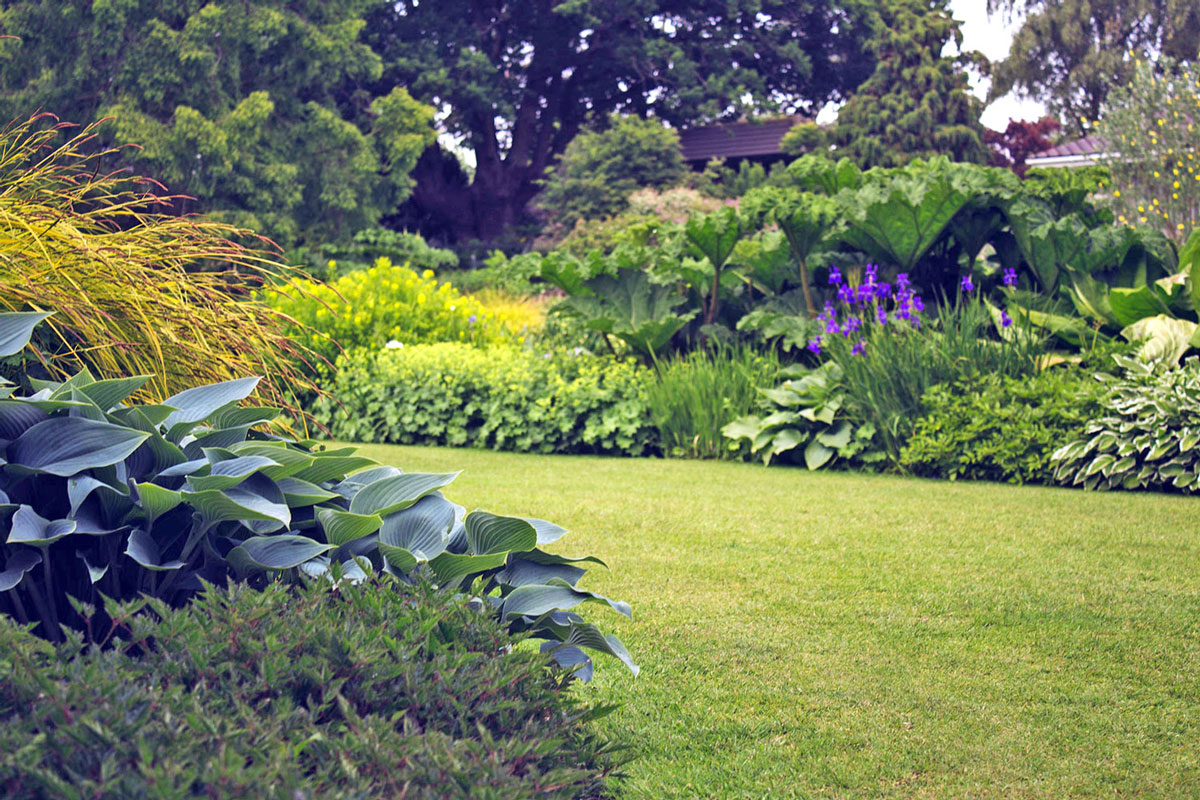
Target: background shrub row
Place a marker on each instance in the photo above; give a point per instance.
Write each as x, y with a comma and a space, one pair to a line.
501, 398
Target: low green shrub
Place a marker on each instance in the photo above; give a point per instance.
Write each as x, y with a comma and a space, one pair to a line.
500, 398
328, 261
1000, 428
696, 395
385, 302
101, 497
372, 690
1145, 435
808, 420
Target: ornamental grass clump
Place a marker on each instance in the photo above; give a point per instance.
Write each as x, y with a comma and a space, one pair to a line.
135, 291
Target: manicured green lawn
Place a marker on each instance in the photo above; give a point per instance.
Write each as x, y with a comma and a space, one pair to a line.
836, 635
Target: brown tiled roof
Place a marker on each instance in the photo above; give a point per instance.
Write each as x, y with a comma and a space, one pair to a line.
1088, 145
735, 140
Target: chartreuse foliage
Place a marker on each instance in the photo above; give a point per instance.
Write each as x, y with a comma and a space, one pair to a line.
501, 398
369, 307
379, 689
151, 499
1147, 437
135, 292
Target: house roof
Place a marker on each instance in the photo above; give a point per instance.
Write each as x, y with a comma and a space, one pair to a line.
735, 140
1087, 150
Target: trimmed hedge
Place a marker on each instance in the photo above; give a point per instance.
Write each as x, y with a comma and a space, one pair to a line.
1001, 429
375, 690
499, 398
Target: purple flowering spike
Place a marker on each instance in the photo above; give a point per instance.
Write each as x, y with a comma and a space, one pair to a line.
1010, 277
854, 323
835, 276
814, 345
966, 284
831, 326
859, 348
918, 303
1005, 319
881, 316
902, 281
915, 322
883, 291
871, 272
845, 294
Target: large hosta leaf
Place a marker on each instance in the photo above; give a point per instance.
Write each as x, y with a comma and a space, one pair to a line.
1163, 339
107, 393
65, 446
422, 530
29, 527
156, 500
521, 572
142, 548
15, 329
241, 503
275, 552
197, 404
535, 600
398, 492
331, 467
17, 565
490, 533
16, 417
451, 566
343, 527
299, 494
229, 473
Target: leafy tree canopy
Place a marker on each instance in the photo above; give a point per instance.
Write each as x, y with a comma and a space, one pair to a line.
1070, 53
517, 81
600, 169
261, 110
916, 104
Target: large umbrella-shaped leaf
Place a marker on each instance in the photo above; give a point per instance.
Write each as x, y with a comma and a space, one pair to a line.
28, 527
490, 533
197, 404
15, 329
275, 552
343, 527
398, 492
17, 565
68, 445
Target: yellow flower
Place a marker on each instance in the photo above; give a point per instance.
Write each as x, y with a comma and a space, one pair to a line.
427, 274
1117, 193
1176, 184
420, 298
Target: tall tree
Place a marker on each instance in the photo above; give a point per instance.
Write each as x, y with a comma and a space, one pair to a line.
259, 110
1070, 53
916, 104
517, 80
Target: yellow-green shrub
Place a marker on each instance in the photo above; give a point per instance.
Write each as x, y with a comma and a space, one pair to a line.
501, 398
387, 302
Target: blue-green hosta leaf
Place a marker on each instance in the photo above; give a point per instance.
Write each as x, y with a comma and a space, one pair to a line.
275, 552
490, 533
229, 473
65, 446
399, 560
343, 527
539, 557
398, 492
95, 573
239, 503
368, 476
451, 566
17, 416
242, 416
572, 659
108, 393
156, 500
535, 600
520, 572
81, 487
197, 465
216, 439
742, 428
142, 548
299, 494
288, 460
422, 530
547, 532
585, 634
199, 403
15, 329
28, 527
816, 455
17, 565
331, 467
836, 438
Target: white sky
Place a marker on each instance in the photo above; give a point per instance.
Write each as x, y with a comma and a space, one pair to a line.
992, 38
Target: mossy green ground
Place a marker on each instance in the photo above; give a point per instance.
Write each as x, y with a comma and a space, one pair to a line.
838, 635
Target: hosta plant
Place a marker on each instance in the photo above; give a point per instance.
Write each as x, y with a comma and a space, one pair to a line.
101, 496
1148, 439
807, 416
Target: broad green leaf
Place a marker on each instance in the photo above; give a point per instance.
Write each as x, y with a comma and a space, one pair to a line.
547, 532
156, 500
398, 492
521, 572
275, 552
95, 573
343, 527
398, 558
197, 404
742, 428
535, 600
299, 494
65, 446
288, 461
450, 566
714, 235
28, 527
239, 503
17, 416
540, 557
328, 468
16, 566
229, 473
1164, 339
585, 634
108, 393
15, 329
490, 533
836, 438
422, 530
817, 455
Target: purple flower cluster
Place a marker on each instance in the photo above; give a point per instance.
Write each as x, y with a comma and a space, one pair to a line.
1010, 277
869, 299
